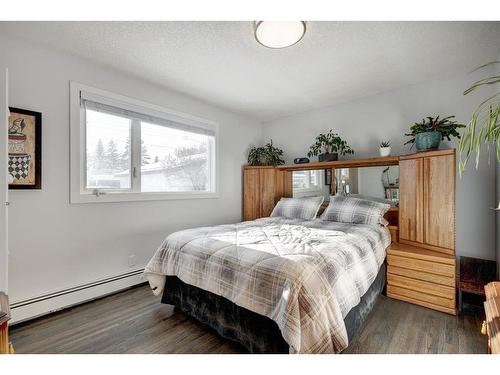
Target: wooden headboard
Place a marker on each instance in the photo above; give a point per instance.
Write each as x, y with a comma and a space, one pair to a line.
426, 213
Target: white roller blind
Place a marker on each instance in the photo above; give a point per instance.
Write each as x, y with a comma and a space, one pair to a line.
134, 112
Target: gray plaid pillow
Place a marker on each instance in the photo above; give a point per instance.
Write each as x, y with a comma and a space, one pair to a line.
298, 208
355, 210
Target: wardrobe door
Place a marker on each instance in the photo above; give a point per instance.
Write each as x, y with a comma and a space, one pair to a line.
268, 181
439, 201
411, 200
252, 193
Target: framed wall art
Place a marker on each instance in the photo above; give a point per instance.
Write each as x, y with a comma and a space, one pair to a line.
25, 149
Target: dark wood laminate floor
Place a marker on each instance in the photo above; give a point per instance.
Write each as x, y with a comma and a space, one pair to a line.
134, 321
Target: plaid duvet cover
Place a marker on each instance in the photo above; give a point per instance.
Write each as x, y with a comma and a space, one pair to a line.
306, 275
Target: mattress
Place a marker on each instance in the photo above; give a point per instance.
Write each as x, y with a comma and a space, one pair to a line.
306, 276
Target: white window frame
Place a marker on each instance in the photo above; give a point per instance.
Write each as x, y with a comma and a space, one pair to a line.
303, 192
79, 192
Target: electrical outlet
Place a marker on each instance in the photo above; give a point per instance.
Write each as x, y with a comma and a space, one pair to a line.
131, 260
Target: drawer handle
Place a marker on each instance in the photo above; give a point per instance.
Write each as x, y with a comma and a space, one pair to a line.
484, 328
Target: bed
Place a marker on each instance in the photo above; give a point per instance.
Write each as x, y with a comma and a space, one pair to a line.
275, 284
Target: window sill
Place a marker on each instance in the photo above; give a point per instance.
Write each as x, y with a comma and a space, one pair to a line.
137, 197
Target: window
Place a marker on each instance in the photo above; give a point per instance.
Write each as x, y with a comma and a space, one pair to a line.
343, 181
123, 149
107, 151
174, 160
307, 181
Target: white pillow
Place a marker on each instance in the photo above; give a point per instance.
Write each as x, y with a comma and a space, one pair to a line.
298, 208
355, 210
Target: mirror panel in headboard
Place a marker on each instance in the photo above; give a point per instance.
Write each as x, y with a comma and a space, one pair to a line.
375, 183
378, 183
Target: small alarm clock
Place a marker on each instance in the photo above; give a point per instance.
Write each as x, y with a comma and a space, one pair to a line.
300, 160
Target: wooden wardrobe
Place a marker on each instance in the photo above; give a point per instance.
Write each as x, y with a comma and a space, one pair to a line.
263, 187
427, 200
421, 268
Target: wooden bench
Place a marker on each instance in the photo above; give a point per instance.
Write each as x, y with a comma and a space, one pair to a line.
491, 326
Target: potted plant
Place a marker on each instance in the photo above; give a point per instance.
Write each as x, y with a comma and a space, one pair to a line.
428, 134
328, 147
266, 155
483, 129
385, 148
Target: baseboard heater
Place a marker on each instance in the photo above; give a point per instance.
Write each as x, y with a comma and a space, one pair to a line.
63, 292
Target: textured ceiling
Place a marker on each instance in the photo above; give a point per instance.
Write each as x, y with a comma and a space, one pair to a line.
221, 63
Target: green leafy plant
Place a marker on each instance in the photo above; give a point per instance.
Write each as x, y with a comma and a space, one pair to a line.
446, 126
329, 143
483, 127
385, 144
265, 155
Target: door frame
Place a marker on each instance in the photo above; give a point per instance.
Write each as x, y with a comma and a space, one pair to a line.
4, 187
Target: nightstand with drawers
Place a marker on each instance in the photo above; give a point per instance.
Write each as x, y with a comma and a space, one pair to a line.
421, 276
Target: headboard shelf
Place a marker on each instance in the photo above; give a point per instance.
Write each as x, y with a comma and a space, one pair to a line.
427, 154
351, 163
365, 162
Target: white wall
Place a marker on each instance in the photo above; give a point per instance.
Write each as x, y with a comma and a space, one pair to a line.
366, 122
497, 213
3, 179
55, 244
497, 216
370, 182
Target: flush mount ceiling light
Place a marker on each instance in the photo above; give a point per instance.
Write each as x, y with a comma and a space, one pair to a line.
279, 34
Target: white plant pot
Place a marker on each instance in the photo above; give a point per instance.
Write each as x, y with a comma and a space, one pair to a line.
385, 151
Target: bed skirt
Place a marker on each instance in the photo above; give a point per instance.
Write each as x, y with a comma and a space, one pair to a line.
255, 332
